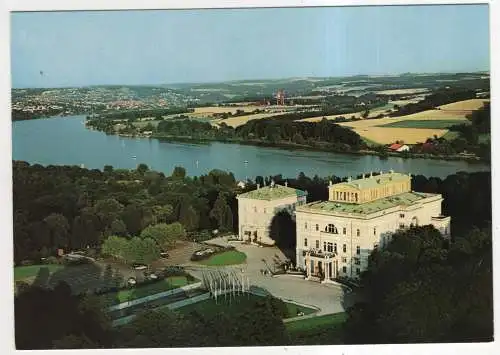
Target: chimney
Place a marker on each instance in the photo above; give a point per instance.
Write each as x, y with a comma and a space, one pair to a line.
381, 172
330, 183
349, 179
286, 183
371, 173
258, 186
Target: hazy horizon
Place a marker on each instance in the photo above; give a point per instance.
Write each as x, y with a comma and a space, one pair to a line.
254, 79
173, 47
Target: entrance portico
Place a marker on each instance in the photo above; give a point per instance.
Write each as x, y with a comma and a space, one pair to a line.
320, 265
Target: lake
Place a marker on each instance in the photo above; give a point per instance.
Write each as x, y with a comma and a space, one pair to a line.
66, 141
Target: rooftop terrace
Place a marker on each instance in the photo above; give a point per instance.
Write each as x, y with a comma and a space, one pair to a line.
331, 207
275, 192
374, 181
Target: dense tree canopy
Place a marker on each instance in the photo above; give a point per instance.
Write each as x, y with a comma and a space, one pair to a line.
55, 318
422, 289
70, 207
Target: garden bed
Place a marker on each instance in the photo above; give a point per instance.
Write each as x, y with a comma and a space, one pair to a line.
229, 257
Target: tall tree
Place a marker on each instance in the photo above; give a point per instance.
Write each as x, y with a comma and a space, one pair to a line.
222, 214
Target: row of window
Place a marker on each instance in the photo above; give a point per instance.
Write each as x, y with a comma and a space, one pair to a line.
332, 247
330, 228
344, 270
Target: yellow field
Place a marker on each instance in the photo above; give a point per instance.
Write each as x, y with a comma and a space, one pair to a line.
241, 120
209, 110
466, 105
346, 115
385, 135
402, 91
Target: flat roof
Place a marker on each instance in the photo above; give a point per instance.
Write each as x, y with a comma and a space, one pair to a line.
275, 192
333, 207
373, 181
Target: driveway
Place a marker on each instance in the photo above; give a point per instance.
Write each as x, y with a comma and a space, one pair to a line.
329, 298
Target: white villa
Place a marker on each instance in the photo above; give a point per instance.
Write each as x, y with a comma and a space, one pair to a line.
257, 208
335, 237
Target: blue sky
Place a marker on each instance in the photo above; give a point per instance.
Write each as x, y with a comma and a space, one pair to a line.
173, 46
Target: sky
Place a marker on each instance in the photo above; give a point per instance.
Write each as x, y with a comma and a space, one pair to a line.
183, 46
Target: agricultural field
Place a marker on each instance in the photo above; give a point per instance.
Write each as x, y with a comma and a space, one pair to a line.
439, 124
383, 135
402, 91
373, 113
241, 120
390, 129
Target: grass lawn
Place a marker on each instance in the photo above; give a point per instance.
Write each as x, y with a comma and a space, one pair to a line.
231, 257
321, 330
238, 304
24, 272
430, 124
146, 290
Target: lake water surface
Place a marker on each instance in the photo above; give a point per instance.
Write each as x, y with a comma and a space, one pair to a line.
66, 141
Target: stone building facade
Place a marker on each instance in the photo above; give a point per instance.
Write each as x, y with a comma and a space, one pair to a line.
335, 237
257, 208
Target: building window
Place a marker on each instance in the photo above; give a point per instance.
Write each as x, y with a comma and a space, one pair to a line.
358, 232
358, 250
401, 225
401, 215
344, 269
305, 225
331, 229
344, 230
344, 260
330, 247
255, 209
375, 246
374, 231
317, 244
324, 246
265, 210
357, 261
305, 242
344, 248
317, 227
358, 271
335, 248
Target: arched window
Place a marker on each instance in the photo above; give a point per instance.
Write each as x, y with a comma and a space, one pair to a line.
331, 229
305, 242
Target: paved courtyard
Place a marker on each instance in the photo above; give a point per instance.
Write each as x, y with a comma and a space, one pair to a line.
329, 298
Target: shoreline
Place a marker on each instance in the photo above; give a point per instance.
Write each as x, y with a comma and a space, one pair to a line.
299, 147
